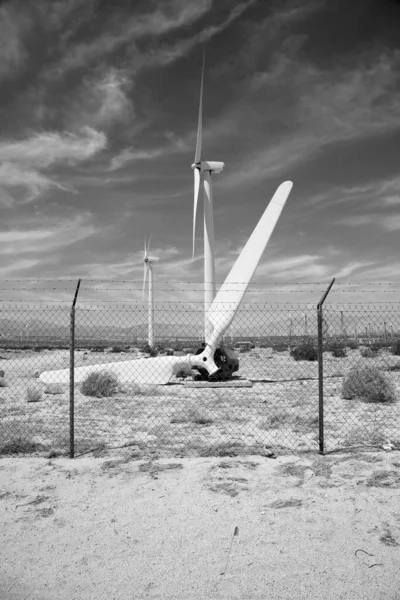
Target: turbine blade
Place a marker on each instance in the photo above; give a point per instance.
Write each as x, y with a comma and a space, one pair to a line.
230, 295
197, 155
145, 248
144, 280
148, 245
155, 371
197, 178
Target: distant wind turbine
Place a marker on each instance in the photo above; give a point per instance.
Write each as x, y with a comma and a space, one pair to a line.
148, 270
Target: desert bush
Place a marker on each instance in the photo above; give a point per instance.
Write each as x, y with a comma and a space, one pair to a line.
369, 384
353, 345
54, 388
20, 446
369, 352
339, 352
378, 344
396, 348
279, 347
395, 367
306, 351
149, 350
199, 417
33, 393
274, 421
338, 349
192, 415
99, 384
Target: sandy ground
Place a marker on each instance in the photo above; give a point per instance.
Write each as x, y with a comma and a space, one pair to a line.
116, 528
279, 409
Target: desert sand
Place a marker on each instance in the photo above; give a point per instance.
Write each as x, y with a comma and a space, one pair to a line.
114, 527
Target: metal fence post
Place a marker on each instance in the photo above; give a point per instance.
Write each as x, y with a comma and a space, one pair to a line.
71, 375
321, 368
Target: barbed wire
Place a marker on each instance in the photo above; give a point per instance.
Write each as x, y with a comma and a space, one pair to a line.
162, 289
140, 281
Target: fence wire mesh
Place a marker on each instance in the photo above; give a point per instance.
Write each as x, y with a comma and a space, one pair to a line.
150, 396
361, 375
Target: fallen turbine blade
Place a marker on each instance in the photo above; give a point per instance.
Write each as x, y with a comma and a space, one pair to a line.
231, 293
155, 371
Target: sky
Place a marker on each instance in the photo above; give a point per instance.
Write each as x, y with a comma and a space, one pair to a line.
98, 125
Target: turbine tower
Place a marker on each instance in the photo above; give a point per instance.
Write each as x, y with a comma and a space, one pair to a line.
203, 170
148, 270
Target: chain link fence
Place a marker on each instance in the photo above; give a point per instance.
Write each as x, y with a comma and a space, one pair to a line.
284, 395
361, 375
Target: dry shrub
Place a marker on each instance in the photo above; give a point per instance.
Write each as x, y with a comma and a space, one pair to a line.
20, 446
191, 415
33, 393
369, 384
54, 388
274, 421
396, 348
352, 344
100, 384
338, 349
305, 351
369, 352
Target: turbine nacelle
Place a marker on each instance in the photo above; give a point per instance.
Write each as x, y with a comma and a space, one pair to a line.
209, 165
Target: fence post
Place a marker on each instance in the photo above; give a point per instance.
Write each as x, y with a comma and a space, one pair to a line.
321, 368
71, 375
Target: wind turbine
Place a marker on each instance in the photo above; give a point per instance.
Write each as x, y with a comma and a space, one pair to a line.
203, 170
159, 370
148, 270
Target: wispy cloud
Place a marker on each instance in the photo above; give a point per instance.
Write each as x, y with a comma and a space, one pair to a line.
379, 193
386, 222
128, 155
39, 246
171, 15
326, 106
102, 101
38, 240
13, 25
24, 160
28, 182
168, 54
44, 149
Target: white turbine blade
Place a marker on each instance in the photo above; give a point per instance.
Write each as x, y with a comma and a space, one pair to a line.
145, 248
148, 245
144, 280
231, 293
155, 371
197, 178
197, 155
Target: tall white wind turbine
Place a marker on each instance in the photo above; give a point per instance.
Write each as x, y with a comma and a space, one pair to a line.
160, 369
148, 271
203, 170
